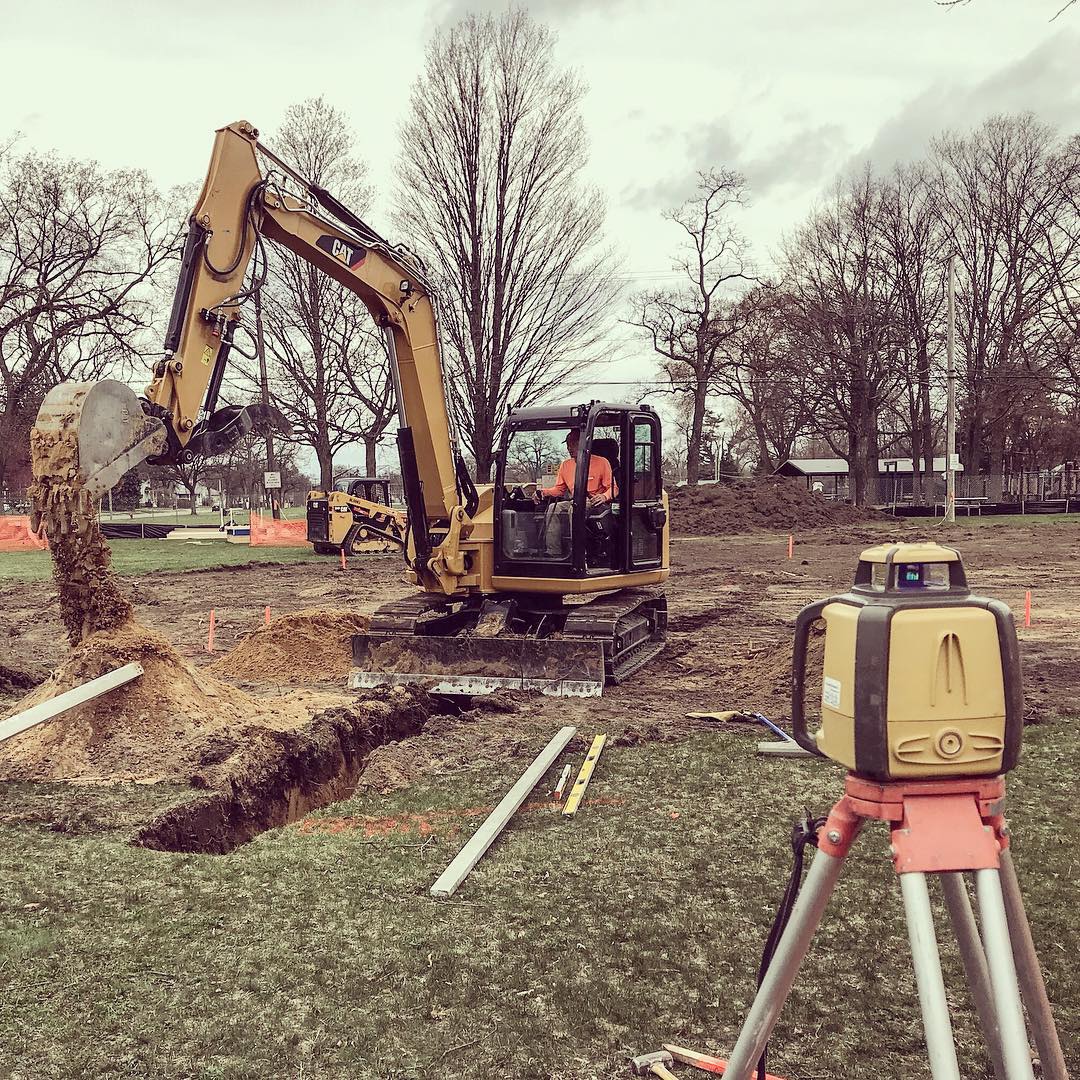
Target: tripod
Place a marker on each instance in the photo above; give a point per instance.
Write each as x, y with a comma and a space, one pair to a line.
943, 827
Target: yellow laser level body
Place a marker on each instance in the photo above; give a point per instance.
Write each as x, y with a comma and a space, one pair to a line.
921, 679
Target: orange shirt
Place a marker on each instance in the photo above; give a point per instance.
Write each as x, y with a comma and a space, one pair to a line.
600, 479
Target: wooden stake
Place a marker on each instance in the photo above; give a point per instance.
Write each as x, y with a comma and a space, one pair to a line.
577, 793
790, 546
267, 616
342, 558
560, 787
210, 634
46, 710
1027, 608
496, 821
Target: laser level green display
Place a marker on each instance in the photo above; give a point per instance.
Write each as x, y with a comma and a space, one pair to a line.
920, 678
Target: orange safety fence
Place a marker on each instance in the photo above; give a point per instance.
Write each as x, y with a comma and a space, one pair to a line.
15, 535
267, 532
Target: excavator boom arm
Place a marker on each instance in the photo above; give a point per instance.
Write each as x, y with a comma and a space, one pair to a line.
239, 206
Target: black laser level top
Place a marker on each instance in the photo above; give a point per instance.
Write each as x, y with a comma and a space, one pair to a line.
920, 679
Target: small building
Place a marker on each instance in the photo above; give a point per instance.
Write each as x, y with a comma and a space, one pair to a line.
893, 483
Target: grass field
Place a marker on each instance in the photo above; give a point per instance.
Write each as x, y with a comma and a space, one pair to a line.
1009, 519
316, 951
185, 517
156, 556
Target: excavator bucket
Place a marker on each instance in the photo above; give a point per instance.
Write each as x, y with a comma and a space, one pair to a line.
466, 664
86, 436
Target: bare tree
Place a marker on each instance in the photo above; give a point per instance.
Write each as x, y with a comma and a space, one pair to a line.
916, 249
79, 249
764, 375
328, 369
689, 326
843, 310
1002, 190
491, 195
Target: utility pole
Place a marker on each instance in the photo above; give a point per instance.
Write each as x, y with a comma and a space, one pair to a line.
950, 402
264, 384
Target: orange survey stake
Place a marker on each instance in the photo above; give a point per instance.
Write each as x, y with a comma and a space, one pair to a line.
703, 1061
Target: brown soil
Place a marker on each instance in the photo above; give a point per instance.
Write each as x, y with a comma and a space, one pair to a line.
90, 597
170, 723
731, 602
279, 776
309, 646
767, 503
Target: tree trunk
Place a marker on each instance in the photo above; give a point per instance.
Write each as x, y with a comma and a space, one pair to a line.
693, 449
371, 465
483, 446
997, 463
326, 465
765, 462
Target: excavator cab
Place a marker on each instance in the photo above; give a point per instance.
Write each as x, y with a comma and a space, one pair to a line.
564, 534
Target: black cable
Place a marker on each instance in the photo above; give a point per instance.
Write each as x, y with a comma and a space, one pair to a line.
804, 831
256, 190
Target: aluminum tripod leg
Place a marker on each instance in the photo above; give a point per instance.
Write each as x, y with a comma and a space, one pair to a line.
999, 959
940, 1048
790, 953
1029, 974
978, 975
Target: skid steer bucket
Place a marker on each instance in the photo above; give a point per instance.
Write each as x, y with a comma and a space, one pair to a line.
465, 664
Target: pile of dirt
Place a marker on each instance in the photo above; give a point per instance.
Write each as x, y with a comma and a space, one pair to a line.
304, 647
772, 502
154, 728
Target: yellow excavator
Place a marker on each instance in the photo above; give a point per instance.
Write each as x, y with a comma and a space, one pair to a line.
516, 588
356, 516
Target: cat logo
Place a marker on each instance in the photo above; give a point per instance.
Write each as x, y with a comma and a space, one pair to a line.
349, 254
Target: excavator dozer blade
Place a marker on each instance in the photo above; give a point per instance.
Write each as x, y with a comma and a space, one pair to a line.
466, 664
87, 435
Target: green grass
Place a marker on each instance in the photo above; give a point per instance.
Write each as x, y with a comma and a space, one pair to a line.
1020, 520
131, 557
316, 951
186, 517
1009, 519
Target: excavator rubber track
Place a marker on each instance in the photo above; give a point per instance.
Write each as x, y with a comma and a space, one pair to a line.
456, 649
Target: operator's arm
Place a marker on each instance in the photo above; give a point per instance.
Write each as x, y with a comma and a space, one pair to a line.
564, 480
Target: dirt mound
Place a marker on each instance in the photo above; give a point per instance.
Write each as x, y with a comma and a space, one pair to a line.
168, 724
146, 730
304, 647
772, 502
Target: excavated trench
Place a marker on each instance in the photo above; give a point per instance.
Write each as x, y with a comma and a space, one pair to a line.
262, 763
279, 776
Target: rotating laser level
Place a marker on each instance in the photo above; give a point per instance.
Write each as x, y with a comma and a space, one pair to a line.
921, 679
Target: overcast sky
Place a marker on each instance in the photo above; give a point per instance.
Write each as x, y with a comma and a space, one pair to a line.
791, 92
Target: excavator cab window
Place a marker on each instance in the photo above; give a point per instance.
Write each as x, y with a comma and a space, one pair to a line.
546, 524
537, 506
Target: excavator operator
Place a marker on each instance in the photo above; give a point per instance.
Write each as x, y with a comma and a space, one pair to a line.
601, 490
